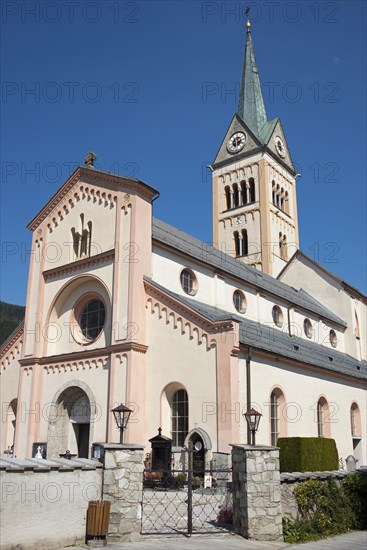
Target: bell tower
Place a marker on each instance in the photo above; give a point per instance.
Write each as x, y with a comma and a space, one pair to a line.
254, 182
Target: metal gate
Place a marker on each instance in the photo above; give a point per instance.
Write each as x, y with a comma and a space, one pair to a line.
181, 502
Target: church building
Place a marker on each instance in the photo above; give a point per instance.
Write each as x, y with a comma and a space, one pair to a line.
124, 308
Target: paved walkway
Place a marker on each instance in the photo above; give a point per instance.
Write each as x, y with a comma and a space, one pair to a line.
356, 540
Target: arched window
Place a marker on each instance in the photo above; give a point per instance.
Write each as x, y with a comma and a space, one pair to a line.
239, 301
286, 203
274, 194
322, 415
252, 189
357, 333
228, 197
281, 245
281, 199
188, 282
244, 250
244, 192
274, 418
285, 248
277, 198
179, 417
236, 198
277, 422
355, 420
237, 243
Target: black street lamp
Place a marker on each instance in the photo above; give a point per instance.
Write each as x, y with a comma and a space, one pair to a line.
122, 415
253, 420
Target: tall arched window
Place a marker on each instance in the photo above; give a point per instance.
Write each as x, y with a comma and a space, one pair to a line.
357, 333
228, 197
244, 192
281, 245
322, 416
252, 189
285, 248
236, 197
237, 243
355, 420
244, 250
286, 203
274, 194
277, 421
179, 417
274, 418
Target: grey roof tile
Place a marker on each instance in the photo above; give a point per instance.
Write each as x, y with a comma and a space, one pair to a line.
272, 340
183, 242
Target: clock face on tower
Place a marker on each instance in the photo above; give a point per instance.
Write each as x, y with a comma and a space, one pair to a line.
280, 146
236, 142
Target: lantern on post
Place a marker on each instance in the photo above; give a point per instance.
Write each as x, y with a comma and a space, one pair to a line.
122, 415
253, 419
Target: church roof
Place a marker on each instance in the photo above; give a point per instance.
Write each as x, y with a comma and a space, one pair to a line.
203, 252
299, 255
251, 107
270, 340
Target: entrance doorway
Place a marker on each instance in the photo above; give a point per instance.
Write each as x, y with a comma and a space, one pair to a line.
69, 429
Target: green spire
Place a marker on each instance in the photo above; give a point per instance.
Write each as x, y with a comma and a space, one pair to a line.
251, 106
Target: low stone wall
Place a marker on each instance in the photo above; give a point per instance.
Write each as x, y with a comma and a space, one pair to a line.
123, 486
44, 502
289, 481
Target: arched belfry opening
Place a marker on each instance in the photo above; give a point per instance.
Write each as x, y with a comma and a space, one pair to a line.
70, 423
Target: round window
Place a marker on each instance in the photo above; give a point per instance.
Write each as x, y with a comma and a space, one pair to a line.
277, 316
333, 338
239, 301
307, 327
188, 282
91, 319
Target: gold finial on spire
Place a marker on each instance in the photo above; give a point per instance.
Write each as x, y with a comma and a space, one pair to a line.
248, 24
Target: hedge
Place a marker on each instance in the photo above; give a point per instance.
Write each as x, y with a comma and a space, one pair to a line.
307, 454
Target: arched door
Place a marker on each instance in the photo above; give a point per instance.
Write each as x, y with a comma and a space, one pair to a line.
69, 426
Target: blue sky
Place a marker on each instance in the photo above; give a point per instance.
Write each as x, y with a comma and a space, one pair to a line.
148, 86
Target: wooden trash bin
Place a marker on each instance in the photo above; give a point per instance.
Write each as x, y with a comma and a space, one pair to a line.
98, 518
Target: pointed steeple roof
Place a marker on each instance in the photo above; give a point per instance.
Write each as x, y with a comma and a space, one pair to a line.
251, 106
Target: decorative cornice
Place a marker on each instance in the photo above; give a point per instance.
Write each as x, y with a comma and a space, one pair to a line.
212, 327
86, 356
93, 177
78, 265
12, 347
12, 339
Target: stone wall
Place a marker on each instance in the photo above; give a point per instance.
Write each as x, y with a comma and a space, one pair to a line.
289, 481
123, 486
257, 511
44, 502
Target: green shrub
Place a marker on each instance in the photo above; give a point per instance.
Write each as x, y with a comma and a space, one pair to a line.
326, 508
307, 454
197, 481
181, 478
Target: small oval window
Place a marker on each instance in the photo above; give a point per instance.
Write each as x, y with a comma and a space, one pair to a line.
277, 316
333, 338
239, 301
188, 282
307, 327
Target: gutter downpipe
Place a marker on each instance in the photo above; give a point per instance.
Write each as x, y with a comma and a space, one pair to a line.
248, 389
